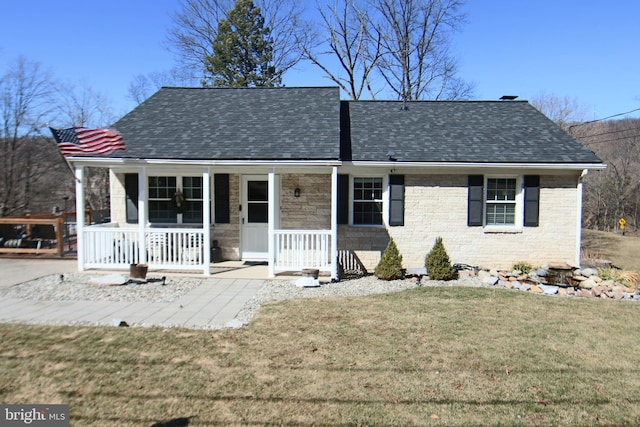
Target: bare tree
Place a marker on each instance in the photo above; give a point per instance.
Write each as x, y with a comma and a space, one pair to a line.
562, 110
143, 86
345, 35
25, 99
416, 62
82, 106
196, 25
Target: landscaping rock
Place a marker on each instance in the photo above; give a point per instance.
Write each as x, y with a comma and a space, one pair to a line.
490, 280
549, 290
587, 284
589, 272
536, 289
108, 280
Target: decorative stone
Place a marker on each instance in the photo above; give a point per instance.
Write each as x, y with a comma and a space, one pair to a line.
536, 289
542, 272
549, 290
579, 278
589, 272
586, 293
509, 285
525, 286
108, 280
595, 278
490, 280
306, 282
587, 284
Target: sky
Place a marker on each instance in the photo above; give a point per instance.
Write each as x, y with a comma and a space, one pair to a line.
584, 50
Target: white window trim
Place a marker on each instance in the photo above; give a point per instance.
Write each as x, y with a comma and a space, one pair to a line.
385, 200
518, 225
179, 183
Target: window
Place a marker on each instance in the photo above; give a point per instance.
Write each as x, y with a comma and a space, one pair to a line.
501, 201
367, 201
161, 206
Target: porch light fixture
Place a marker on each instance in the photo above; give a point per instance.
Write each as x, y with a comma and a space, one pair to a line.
296, 192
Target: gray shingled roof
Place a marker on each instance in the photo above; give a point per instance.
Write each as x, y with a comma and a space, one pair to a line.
460, 131
312, 123
238, 123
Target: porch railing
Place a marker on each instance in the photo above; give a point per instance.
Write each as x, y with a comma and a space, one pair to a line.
108, 246
299, 249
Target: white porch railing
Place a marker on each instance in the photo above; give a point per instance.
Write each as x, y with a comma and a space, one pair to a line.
109, 246
298, 249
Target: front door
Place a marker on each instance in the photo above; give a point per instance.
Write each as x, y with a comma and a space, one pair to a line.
255, 217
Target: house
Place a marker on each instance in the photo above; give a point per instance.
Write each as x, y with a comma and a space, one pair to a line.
300, 179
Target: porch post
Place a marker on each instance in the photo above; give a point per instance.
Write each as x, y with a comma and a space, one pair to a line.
271, 224
334, 223
579, 217
142, 215
206, 221
80, 217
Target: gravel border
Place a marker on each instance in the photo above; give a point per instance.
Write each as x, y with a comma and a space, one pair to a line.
77, 288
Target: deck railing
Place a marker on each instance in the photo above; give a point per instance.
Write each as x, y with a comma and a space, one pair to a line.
299, 249
108, 246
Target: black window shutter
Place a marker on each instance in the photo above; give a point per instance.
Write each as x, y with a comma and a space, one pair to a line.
131, 197
221, 201
396, 199
475, 206
343, 199
531, 200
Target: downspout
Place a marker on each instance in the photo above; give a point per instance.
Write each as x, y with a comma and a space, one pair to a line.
579, 216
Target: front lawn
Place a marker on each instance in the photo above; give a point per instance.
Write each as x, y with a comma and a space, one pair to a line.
428, 356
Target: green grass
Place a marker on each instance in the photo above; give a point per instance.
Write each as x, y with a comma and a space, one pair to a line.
429, 356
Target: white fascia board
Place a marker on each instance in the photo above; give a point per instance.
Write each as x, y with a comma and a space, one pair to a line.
115, 162
453, 166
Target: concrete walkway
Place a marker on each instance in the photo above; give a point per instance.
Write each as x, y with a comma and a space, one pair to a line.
212, 305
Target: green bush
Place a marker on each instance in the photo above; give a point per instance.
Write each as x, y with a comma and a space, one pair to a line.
438, 263
522, 266
390, 265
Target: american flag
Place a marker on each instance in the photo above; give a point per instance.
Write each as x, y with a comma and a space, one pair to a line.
80, 140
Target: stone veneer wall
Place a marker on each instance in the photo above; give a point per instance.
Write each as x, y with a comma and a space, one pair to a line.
310, 211
436, 206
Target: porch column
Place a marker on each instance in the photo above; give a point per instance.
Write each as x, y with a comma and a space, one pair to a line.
142, 215
271, 224
206, 221
79, 217
334, 223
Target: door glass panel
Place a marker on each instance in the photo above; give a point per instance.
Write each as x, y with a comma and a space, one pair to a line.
257, 202
257, 191
258, 212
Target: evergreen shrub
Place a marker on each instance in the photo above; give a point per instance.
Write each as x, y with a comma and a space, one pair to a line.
390, 265
438, 263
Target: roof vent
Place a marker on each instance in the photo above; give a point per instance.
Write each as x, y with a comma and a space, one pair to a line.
391, 156
508, 97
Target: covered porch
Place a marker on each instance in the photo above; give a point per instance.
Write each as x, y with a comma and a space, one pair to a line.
262, 230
